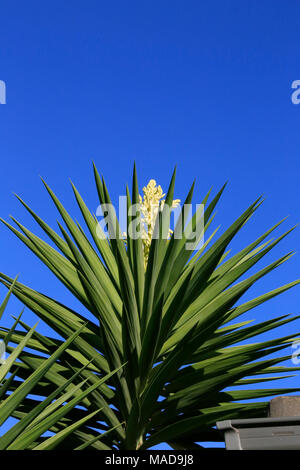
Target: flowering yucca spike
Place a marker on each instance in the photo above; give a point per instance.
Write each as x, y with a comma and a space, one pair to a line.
150, 204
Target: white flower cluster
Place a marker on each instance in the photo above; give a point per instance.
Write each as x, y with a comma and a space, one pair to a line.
150, 203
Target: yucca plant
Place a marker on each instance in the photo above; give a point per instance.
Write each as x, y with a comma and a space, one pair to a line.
166, 312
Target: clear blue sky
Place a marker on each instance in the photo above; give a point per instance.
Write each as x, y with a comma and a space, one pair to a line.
204, 85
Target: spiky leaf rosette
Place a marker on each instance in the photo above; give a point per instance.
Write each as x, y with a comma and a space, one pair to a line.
167, 312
